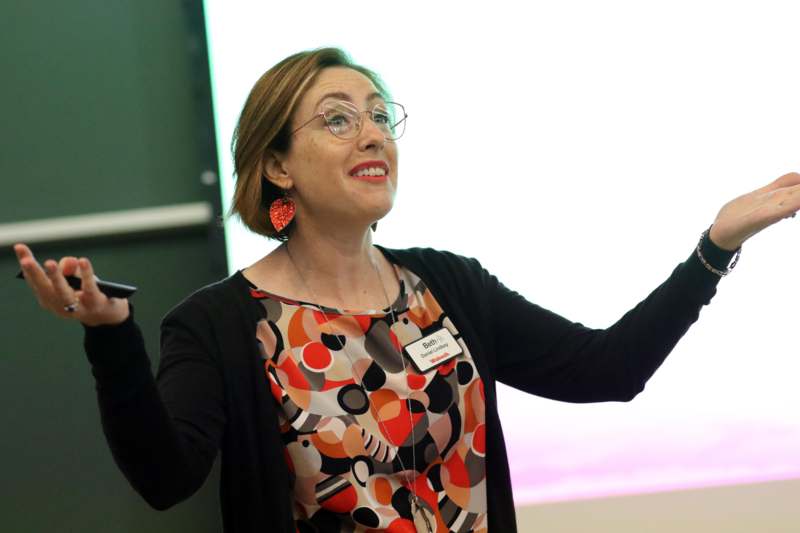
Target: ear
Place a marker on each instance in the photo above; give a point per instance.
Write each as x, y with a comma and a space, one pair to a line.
274, 169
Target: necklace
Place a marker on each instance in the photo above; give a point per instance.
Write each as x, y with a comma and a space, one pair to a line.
423, 519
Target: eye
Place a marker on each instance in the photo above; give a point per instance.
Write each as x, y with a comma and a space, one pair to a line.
340, 117
381, 117
338, 120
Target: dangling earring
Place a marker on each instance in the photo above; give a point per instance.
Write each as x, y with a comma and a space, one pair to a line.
281, 212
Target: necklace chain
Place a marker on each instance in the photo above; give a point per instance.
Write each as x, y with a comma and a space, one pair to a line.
361, 385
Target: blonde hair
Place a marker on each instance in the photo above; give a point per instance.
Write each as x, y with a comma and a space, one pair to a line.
264, 126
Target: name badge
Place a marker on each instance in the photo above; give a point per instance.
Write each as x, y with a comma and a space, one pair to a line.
433, 350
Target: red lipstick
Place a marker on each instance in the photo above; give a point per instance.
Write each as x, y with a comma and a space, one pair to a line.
371, 164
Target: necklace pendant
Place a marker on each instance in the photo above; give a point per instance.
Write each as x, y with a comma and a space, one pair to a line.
423, 518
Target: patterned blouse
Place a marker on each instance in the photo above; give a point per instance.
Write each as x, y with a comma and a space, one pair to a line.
346, 407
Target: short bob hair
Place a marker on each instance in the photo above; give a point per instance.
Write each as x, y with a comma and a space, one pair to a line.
264, 126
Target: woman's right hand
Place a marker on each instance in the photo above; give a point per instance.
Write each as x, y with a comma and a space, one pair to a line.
90, 306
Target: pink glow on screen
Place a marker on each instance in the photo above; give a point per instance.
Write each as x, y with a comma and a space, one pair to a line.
550, 465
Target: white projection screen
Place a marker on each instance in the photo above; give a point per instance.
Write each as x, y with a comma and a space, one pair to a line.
578, 149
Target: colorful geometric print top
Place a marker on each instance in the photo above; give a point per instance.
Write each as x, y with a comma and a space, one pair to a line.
346, 414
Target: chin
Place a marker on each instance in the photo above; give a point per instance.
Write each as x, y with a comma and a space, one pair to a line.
378, 204
373, 204
377, 212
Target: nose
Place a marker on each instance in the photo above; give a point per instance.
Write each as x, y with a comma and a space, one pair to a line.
370, 137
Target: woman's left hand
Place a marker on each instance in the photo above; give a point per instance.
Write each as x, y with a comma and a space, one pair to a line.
743, 217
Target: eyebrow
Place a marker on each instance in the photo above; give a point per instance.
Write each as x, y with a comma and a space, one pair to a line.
344, 96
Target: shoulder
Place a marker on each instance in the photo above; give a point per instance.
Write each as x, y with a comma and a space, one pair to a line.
433, 259
443, 270
217, 299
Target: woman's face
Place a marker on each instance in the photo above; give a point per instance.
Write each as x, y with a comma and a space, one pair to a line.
323, 168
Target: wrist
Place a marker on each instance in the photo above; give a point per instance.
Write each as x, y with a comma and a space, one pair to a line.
721, 242
714, 258
120, 312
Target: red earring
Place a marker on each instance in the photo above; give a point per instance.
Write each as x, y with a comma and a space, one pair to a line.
281, 212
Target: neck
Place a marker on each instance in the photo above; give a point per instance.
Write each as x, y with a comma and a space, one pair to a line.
337, 267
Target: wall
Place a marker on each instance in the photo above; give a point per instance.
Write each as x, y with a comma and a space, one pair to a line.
764, 507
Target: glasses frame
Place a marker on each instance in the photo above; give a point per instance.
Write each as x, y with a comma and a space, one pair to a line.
360, 120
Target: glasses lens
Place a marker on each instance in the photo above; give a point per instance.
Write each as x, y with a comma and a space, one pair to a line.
391, 118
342, 119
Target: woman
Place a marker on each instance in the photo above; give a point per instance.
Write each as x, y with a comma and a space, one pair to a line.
351, 387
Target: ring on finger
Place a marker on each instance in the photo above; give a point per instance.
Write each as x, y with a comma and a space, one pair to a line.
71, 308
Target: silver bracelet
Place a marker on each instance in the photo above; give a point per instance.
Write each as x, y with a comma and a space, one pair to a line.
706, 264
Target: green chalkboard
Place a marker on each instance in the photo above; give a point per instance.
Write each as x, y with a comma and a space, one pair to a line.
105, 108
99, 109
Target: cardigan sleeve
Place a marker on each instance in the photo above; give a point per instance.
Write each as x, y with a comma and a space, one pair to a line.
543, 353
163, 432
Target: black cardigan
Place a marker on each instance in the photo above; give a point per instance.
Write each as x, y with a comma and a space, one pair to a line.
211, 391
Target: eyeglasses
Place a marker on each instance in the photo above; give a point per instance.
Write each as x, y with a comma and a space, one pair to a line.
345, 121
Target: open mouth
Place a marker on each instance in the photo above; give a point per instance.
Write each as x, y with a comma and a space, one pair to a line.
370, 170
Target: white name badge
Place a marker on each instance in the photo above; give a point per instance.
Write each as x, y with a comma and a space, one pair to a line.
433, 350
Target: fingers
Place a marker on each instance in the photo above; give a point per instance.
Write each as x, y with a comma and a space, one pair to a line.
22, 252
69, 266
32, 272
773, 207
64, 295
787, 180
47, 281
54, 293
786, 200
91, 294
746, 215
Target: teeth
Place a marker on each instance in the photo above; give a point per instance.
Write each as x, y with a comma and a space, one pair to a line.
372, 171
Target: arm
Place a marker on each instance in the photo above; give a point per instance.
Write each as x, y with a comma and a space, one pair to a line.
543, 353
164, 434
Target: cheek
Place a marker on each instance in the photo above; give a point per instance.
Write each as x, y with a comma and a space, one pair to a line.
319, 159
312, 153
332, 153
395, 163
391, 150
